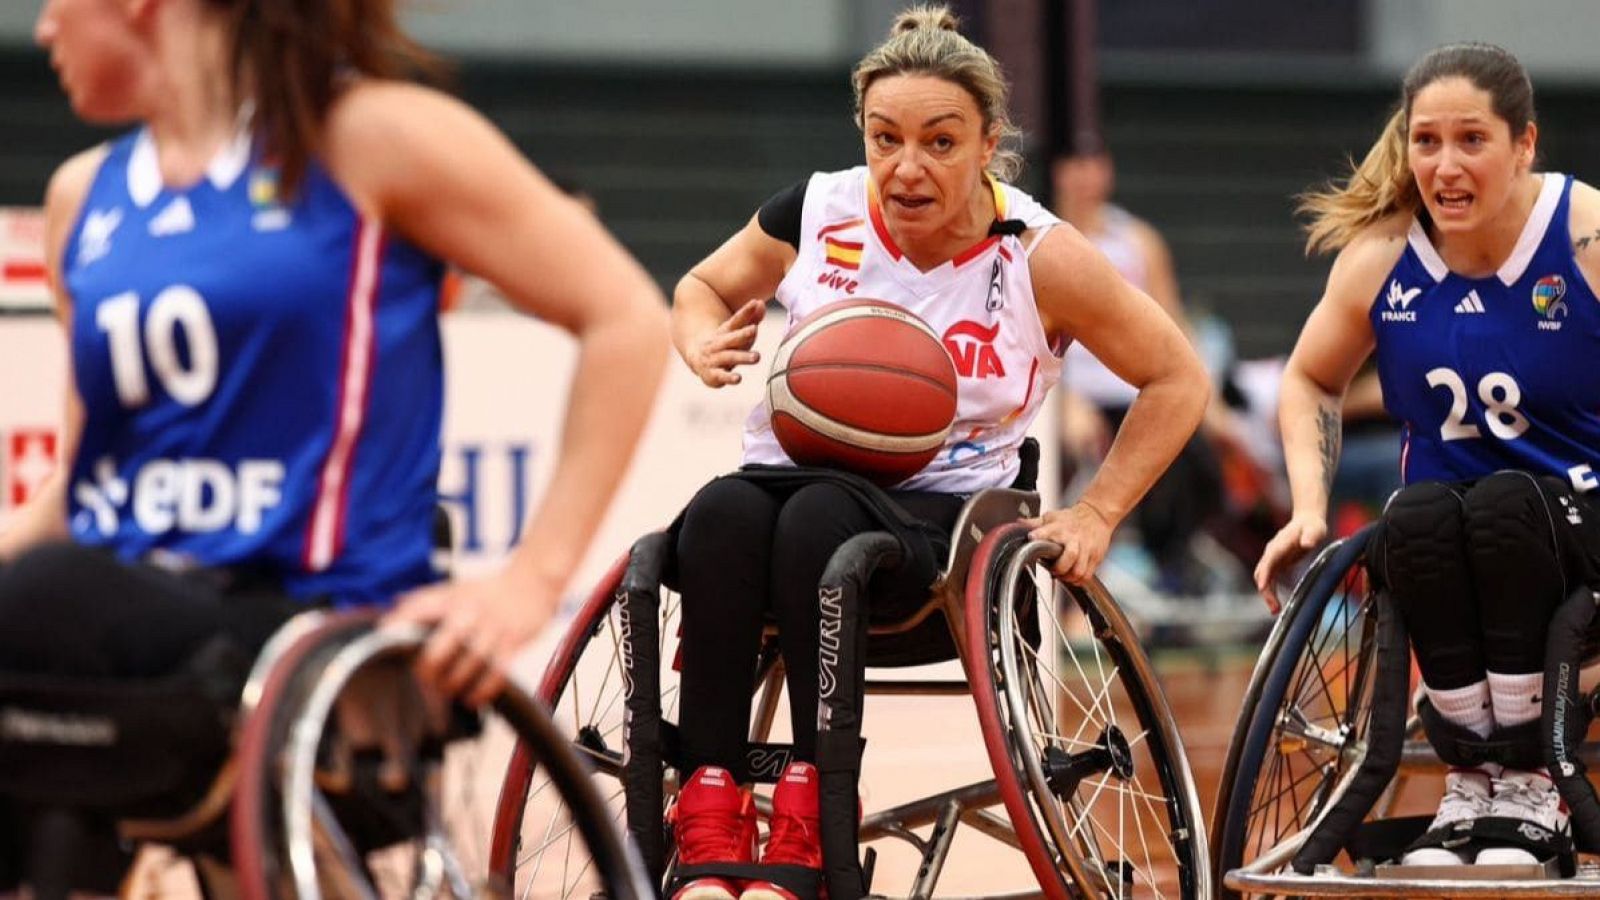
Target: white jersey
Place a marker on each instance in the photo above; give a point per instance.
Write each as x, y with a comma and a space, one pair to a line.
980, 302
1086, 374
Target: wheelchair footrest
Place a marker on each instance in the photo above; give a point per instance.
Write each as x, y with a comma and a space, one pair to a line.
798, 880
1385, 841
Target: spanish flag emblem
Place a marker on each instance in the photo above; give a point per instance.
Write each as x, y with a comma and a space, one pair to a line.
844, 254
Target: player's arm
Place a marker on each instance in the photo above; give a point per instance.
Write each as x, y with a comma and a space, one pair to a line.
450, 182
44, 517
718, 306
1584, 221
1081, 297
1335, 341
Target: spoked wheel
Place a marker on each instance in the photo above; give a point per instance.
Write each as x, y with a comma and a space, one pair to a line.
535, 848
1084, 748
323, 811
1302, 733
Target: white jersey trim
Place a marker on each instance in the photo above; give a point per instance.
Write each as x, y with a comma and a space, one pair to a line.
1516, 265
326, 536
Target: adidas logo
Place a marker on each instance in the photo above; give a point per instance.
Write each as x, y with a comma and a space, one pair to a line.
177, 218
1471, 303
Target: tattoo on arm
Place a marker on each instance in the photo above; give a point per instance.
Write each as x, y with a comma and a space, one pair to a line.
1329, 434
1582, 244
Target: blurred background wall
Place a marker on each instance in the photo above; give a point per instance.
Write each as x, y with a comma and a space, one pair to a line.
680, 116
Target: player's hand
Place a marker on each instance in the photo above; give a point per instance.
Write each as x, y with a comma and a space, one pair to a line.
1083, 533
479, 625
728, 346
1294, 540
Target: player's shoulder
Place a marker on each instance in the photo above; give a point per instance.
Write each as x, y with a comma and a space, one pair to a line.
1361, 266
71, 181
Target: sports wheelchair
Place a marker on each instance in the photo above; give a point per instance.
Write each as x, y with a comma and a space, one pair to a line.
1331, 732
293, 806
1090, 783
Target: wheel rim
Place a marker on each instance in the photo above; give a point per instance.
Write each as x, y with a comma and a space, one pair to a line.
584, 687
1112, 800
1318, 728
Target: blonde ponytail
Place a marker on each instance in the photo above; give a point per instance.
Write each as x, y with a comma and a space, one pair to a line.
1378, 188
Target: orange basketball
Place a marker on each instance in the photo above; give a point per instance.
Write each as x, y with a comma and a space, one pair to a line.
864, 386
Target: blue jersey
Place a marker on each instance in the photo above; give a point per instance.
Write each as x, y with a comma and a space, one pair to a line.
1498, 372
261, 378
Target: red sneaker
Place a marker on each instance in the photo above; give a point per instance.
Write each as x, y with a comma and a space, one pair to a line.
795, 838
713, 821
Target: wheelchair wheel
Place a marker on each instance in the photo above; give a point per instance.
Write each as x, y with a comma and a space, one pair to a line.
313, 818
1084, 748
534, 846
1302, 731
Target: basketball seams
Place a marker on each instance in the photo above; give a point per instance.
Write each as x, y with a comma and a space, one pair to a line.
872, 347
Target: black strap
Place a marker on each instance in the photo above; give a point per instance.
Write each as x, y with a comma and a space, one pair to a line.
1007, 227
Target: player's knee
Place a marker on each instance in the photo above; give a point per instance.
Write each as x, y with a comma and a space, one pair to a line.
1421, 529
810, 508
1507, 506
725, 513
41, 579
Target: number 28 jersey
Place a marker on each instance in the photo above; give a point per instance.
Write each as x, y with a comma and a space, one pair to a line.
1499, 372
261, 377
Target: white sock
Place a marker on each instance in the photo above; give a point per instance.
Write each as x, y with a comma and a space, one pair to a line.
1467, 706
1517, 699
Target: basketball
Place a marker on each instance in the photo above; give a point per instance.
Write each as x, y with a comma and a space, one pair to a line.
863, 386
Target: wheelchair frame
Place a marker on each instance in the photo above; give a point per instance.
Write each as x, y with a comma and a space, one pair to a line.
988, 551
1270, 717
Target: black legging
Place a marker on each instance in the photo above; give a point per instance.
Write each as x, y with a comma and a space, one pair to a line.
73, 611
1477, 569
746, 551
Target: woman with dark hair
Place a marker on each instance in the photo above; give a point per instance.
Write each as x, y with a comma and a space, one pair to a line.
249, 282
1472, 277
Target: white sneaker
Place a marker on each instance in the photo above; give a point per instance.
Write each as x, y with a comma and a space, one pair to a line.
1467, 796
1530, 796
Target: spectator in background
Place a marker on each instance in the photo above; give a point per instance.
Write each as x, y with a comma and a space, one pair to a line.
1095, 401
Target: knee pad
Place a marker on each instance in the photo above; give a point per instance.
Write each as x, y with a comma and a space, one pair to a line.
1515, 515
1421, 531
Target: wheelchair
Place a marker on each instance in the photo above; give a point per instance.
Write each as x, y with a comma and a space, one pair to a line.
292, 806
1089, 782
1331, 732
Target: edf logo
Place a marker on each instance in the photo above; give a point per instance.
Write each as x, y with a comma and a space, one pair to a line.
487, 476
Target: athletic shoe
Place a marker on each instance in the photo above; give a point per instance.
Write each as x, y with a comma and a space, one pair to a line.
1467, 796
795, 838
713, 822
1531, 797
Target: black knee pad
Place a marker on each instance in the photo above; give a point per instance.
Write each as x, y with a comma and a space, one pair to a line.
1517, 516
1421, 531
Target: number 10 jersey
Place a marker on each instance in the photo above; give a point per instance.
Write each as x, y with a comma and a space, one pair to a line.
260, 376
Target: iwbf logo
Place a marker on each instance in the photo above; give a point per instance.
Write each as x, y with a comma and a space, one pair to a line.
1399, 300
